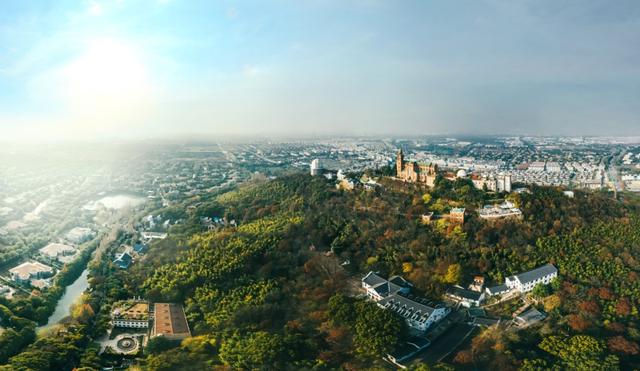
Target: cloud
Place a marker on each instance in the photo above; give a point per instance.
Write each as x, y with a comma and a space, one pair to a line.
95, 8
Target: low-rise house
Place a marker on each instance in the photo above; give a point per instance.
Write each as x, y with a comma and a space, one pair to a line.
378, 287
525, 282
477, 284
456, 215
123, 260
393, 294
154, 235
466, 298
497, 290
418, 313
27, 271
131, 314
169, 321
528, 318
79, 235
55, 251
427, 218
140, 248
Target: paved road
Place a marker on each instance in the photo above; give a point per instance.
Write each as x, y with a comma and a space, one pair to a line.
447, 343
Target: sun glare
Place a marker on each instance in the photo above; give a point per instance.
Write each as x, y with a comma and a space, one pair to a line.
107, 70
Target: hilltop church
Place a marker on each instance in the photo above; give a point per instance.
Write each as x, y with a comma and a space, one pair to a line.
411, 171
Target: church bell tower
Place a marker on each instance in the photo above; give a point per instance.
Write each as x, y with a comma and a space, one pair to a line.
399, 163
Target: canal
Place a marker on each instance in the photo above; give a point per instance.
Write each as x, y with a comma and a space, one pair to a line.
70, 296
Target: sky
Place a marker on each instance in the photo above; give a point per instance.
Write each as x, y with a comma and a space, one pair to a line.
86, 69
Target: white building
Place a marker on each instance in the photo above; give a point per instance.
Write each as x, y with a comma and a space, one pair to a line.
504, 210
419, 315
466, 298
393, 294
79, 235
378, 287
495, 183
27, 271
525, 282
316, 167
57, 250
131, 314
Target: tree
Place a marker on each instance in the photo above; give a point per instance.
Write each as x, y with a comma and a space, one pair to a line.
552, 302
377, 331
577, 322
534, 365
454, 274
621, 345
160, 344
426, 198
258, 350
541, 291
580, 352
341, 309
463, 357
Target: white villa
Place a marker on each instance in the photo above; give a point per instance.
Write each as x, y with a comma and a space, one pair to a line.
393, 294
378, 287
27, 271
55, 251
525, 282
131, 314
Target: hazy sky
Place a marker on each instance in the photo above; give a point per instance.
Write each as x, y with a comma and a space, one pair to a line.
125, 68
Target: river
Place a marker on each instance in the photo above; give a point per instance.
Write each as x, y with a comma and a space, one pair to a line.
70, 296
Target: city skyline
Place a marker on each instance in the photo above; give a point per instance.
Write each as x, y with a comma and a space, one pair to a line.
164, 69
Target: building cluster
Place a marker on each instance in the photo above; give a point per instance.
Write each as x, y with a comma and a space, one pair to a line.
476, 293
161, 319
130, 314
525, 282
395, 294
504, 210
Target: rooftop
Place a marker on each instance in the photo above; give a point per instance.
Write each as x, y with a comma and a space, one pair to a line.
170, 320
537, 273
464, 293
26, 269
55, 249
406, 306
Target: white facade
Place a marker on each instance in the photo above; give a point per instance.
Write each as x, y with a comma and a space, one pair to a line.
130, 323
525, 282
417, 316
315, 167
391, 294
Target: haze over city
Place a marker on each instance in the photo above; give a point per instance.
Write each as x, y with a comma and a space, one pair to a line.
87, 70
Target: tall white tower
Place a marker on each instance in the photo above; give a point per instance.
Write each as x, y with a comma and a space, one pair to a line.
315, 167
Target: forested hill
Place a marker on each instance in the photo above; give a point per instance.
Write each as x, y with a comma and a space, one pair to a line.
277, 291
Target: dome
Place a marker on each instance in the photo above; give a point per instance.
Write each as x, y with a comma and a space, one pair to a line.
461, 174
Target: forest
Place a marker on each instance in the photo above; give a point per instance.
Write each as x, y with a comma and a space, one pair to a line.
281, 291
